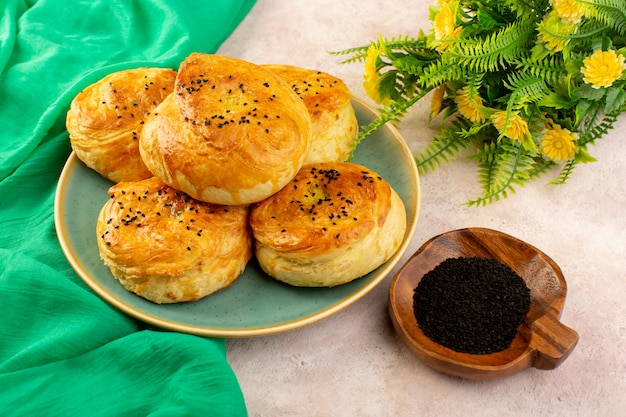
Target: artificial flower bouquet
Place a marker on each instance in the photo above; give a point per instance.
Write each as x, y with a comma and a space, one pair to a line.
521, 86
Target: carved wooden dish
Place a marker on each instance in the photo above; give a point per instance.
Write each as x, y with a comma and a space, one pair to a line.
542, 341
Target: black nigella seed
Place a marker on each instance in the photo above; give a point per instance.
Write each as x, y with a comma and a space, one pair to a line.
471, 305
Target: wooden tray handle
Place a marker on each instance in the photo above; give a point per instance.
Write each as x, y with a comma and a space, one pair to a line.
552, 341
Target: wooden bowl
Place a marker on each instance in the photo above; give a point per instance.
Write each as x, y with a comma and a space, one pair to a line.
542, 341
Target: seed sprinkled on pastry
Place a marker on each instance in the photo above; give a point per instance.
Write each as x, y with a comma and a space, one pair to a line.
168, 247
106, 119
232, 132
328, 101
333, 223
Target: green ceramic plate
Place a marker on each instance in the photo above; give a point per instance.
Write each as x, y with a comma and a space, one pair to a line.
255, 304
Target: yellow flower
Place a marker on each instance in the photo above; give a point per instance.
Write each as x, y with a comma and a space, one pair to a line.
437, 100
602, 68
569, 10
514, 128
371, 76
444, 26
553, 32
558, 144
469, 105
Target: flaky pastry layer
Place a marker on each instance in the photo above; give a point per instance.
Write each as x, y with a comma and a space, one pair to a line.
168, 247
106, 119
329, 101
232, 132
333, 223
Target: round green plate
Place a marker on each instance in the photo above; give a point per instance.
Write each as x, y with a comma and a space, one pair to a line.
255, 304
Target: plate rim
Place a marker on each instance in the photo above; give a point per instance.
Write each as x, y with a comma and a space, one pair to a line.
168, 324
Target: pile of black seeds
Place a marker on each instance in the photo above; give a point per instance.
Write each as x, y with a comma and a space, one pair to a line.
471, 305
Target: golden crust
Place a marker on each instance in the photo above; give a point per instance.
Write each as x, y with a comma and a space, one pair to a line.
105, 120
167, 247
334, 222
232, 133
328, 100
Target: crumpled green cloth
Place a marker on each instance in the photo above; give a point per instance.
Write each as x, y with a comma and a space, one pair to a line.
63, 350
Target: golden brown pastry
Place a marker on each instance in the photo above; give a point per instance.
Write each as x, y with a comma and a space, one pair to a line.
328, 100
167, 247
333, 223
232, 133
105, 120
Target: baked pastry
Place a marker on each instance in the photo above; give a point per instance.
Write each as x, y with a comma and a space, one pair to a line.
329, 102
232, 133
333, 223
167, 247
105, 120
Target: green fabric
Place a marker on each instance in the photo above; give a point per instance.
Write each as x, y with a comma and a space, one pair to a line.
63, 350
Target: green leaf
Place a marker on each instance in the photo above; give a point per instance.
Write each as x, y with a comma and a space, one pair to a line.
565, 173
597, 43
582, 108
596, 125
586, 91
525, 88
612, 13
573, 67
496, 51
445, 146
556, 101
387, 84
615, 98
529, 144
583, 156
506, 168
485, 21
539, 52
